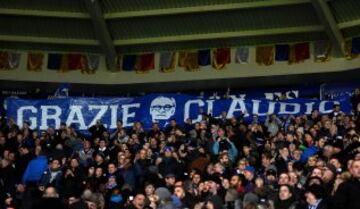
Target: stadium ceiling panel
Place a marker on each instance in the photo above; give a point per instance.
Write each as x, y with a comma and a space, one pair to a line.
135, 26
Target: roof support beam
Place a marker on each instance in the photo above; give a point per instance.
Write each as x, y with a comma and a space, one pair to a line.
237, 34
102, 32
48, 40
328, 20
349, 24
202, 8
43, 13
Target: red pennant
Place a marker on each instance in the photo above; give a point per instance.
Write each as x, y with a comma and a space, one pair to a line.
223, 56
74, 61
302, 52
146, 62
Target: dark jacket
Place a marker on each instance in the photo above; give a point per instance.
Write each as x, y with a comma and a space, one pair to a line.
46, 203
347, 195
56, 181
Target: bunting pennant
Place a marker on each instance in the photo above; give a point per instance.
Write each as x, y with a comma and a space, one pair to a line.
348, 50
322, 50
282, 52
35, 61
128, 62
265, 55
167, 62
302, 52
204, 58
222, 57
54, 61
89, 63
355, 49
14, 60
74, 61
192, 62
189, 60
4, 60
242, 55
145, 63
182, 58
299, 53
9, 60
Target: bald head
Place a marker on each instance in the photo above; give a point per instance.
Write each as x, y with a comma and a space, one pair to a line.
50, 192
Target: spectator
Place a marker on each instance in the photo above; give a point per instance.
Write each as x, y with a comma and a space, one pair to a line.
346, 196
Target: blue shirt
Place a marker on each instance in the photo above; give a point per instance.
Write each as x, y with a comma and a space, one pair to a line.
315, 205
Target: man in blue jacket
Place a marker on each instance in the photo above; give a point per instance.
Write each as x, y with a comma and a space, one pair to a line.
224, 144
35, 170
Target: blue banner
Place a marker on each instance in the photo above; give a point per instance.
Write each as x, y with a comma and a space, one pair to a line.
274, 93
84, 112
338, 90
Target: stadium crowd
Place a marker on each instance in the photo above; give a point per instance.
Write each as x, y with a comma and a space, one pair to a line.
291, 162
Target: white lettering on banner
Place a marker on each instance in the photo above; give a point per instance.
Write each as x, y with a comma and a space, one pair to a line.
322, 107
210, 106
102, 110
234, 107
309, 107
284, 108
126, 114
20, 116
114, 109
188, 104
256, 108
76, 116
45, 116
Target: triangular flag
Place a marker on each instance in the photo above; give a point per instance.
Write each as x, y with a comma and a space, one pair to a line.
167, 62
4, 60
204, 57
14, 60
322, 50
145, 63
74, 61
189, 60
282, 52
265, 55
35, 61
128, 62
89, 63
9, 60
348, 50
355, 49
299, 53
222, 57
242, 55
302, 52
54, 61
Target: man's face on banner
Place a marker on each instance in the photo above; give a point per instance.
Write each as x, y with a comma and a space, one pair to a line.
162, 108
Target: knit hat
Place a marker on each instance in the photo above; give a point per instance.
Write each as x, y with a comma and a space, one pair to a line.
250, 169
250, 198
163, 193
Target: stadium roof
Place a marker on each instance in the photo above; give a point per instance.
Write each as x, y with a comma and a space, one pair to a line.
135, 26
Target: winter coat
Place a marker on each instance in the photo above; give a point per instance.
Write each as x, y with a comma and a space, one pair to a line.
347, 195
